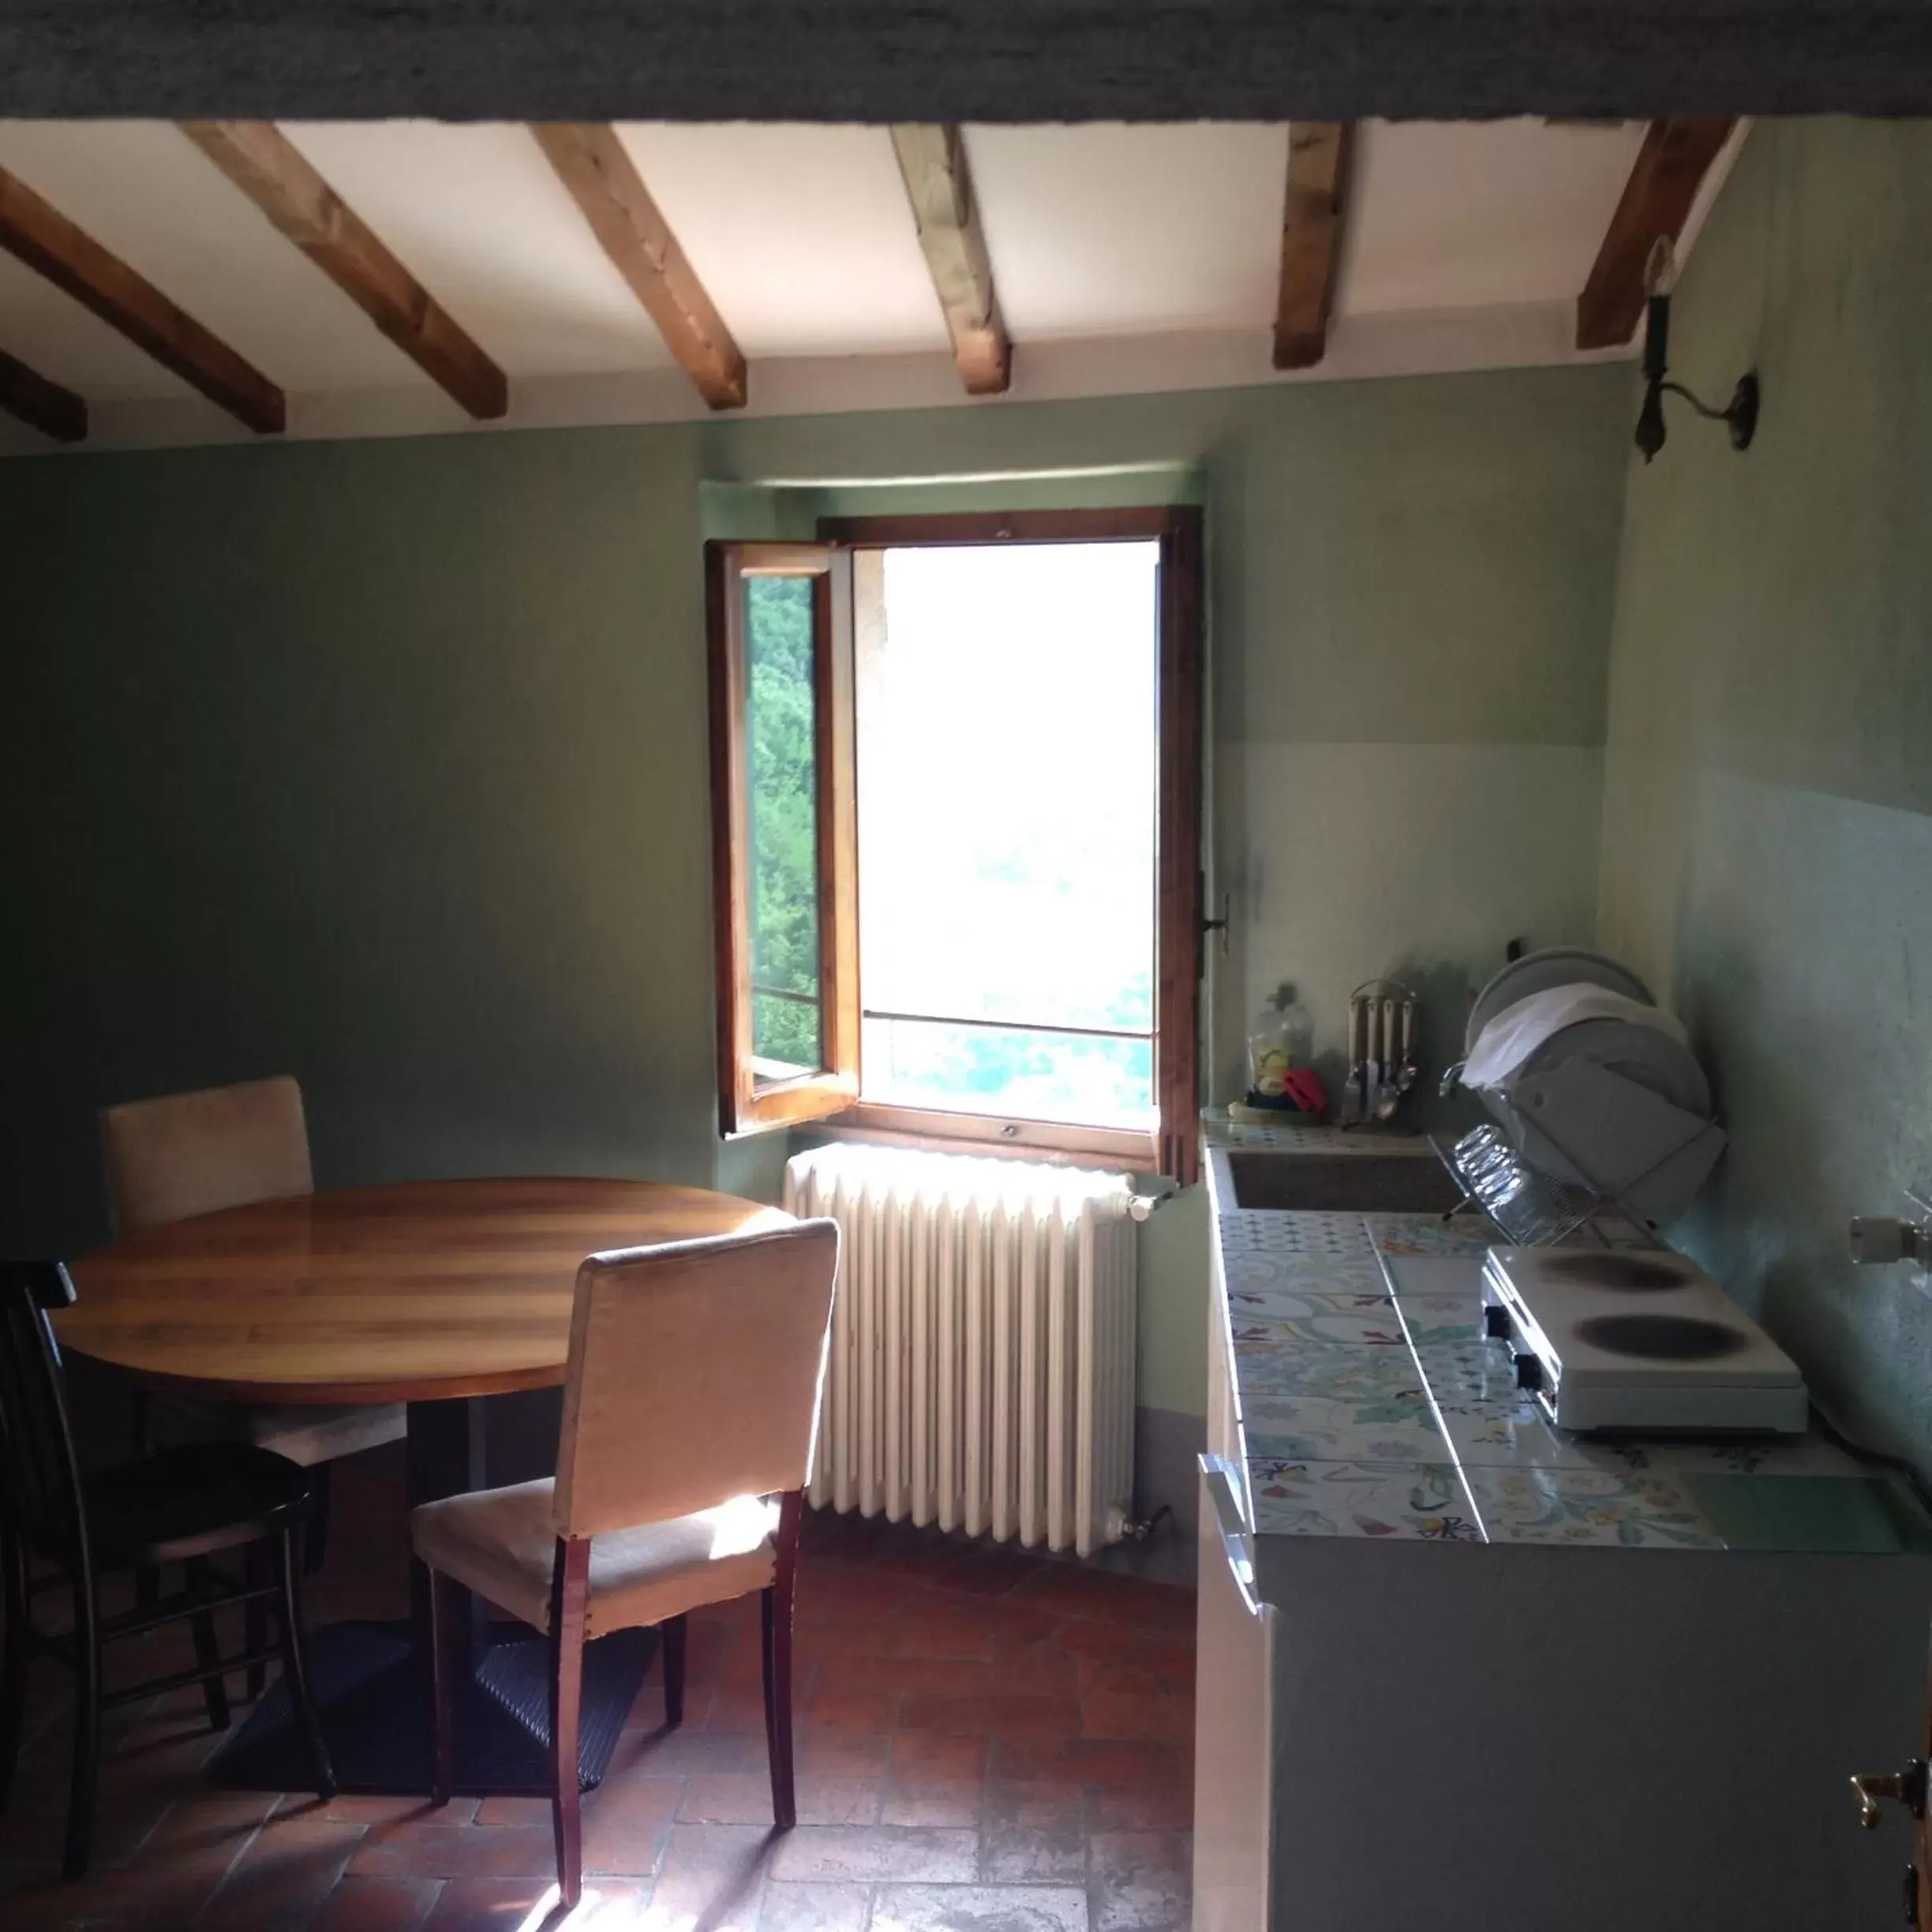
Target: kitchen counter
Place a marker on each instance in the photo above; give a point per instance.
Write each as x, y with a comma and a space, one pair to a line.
1366, 1402
1633, 1678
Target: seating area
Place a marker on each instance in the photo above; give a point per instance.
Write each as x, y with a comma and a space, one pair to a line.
982, 1736
974, 1719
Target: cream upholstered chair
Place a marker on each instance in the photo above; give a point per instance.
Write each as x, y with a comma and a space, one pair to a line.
690, 1410
225, 1146
193, 1153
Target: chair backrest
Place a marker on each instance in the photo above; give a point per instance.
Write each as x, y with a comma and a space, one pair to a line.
40, 1495
189, 1153
695, 1376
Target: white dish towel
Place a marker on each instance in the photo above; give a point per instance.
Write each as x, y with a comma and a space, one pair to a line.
1517, 1032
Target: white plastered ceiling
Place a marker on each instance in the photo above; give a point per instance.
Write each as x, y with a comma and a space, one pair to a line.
1126, 258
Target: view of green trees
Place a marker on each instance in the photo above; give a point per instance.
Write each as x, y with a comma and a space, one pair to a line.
783, 821
1007, 861
1043, 1076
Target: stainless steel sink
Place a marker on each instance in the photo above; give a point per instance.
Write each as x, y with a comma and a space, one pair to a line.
1341, 1183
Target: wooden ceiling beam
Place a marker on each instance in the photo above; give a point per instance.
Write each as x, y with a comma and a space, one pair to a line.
42, 405
932, 159
42, 237
1313, 216
278, 179
1657, 200
593, 163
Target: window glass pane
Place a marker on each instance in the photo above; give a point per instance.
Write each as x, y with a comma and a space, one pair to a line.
1030, 1075
1008, 777
783, 817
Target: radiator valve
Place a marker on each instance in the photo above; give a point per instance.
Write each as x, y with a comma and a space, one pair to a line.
1122, 1528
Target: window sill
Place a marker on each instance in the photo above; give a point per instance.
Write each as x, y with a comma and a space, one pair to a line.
995, 1135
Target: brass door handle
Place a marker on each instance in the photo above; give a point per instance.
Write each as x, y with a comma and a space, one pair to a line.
1874, 1789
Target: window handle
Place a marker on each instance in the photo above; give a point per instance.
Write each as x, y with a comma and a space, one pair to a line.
1872, 1789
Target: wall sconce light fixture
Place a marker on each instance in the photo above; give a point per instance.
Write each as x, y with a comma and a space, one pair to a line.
1660, 274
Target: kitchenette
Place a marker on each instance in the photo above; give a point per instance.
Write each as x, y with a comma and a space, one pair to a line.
1462, 1665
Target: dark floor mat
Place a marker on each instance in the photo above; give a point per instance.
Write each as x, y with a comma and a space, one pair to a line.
373, 1695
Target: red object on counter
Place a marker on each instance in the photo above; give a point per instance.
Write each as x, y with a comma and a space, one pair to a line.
1303, 1086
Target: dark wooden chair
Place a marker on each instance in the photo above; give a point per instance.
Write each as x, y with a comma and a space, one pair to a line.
182, 1505
690, 1409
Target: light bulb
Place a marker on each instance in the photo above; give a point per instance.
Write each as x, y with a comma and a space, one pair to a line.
1660, 268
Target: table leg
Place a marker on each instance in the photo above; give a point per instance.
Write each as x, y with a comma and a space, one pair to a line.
446, 1458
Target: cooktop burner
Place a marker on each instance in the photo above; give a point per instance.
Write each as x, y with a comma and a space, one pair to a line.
1635, 1274
1662, 1337
1636, 1341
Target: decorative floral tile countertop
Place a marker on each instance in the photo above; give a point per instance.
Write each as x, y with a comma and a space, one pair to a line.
1372, 1406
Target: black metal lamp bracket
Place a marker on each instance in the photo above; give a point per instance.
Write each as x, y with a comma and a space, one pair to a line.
1741, 415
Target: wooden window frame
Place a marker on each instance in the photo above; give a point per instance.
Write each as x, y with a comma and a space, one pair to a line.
1174, 1149
743, 1104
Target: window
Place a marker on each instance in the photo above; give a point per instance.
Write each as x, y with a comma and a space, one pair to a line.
957, 784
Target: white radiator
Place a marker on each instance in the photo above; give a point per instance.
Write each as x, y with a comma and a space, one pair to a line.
982, 1375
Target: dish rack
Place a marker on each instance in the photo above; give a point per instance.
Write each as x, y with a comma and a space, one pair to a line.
1529, 1210
1532, 1208
1606, 1129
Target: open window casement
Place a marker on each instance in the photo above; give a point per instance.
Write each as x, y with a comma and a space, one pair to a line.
810, 703
784, 857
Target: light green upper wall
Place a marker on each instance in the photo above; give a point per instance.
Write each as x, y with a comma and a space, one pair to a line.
1424, 561
1802, 566
1437, 573
1767, 849
384, 763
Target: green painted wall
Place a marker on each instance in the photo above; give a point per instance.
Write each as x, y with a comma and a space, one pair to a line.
385, 762
1767, 844
381, 763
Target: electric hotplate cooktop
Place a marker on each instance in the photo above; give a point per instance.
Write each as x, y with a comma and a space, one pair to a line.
1638, 1341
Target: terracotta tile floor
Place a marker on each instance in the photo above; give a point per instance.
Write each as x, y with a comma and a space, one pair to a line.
986, 1740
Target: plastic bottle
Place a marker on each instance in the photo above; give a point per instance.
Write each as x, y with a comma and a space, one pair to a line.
1279, 1042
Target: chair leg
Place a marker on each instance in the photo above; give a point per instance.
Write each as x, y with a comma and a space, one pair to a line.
83, 1783
207, 1652
316, 1547
258, 1569
671, 1632
13, 1606
775, 1619
569, 1594
442, 1615
295, 1665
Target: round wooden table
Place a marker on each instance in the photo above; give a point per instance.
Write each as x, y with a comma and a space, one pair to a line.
426, 1292
432, 1293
